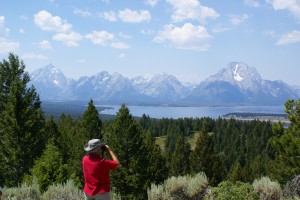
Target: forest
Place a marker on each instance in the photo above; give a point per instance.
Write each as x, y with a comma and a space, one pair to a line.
48, 151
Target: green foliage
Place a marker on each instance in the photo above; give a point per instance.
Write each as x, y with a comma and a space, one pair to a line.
92, 122
24, 192
126, 139
180, 188
234, 191
63, 191
286, 142
49, 169
21, 122
180, 164
267, 189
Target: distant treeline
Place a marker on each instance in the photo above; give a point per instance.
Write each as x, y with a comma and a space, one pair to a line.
249, 114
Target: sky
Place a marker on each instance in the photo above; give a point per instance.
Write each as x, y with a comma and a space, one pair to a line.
190, 39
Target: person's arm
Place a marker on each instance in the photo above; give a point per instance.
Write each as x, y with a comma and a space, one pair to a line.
111, 154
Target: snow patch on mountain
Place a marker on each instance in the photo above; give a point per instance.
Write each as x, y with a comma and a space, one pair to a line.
237, 77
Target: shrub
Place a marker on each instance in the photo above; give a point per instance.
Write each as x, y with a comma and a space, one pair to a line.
67, 191
237, 191
267, 189
292, 188
24, 192
182, 187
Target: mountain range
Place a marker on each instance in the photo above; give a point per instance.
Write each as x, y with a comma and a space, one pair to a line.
236, 84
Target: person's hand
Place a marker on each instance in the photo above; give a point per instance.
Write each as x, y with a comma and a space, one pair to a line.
107, 148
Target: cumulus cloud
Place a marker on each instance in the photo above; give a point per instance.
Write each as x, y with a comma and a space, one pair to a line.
6, 46
252, 3
119, 45
293, 6
188, 37
100, 37
3, 30
82, 13
45, 45
122, 55
133, 16
109, 15
47, 22
191, 9
289, 38
238, 19
68, 39
151, 2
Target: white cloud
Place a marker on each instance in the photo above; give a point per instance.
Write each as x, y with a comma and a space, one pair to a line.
270, 33
21, 30
220, 29
252, 3
3, 30
188, 37
238, 19
122, 55
33, 56
147, 32
82, 12
69, 39
119, 45
6, 46
110, 16
151, 2
100, 37
47, 22
289, 38
124, 35
191, 9
293, 6
133, 16
45, 45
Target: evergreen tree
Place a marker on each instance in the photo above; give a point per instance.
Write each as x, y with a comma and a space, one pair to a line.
92, 122
126, 139
180, 164
51, 131
156, 169
49, 169
286, 142
21, 122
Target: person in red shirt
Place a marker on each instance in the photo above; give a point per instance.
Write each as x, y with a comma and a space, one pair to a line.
96, 170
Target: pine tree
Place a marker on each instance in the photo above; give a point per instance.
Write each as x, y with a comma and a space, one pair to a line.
180, 164
286, 142
21, 122
49, 169
126, 139
92, 122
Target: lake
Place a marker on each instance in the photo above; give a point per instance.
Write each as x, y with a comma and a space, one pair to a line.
189, 112
77, 108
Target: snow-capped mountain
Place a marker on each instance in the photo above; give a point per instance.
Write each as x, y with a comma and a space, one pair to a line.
237, 84
51, 83
162, 87
240, 75
104, 86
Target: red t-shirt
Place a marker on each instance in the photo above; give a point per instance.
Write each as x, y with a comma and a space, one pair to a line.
96, 174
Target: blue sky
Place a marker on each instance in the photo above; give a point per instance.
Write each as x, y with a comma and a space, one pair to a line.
190, 39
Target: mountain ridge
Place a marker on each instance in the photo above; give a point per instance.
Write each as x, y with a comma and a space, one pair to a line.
236, 84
